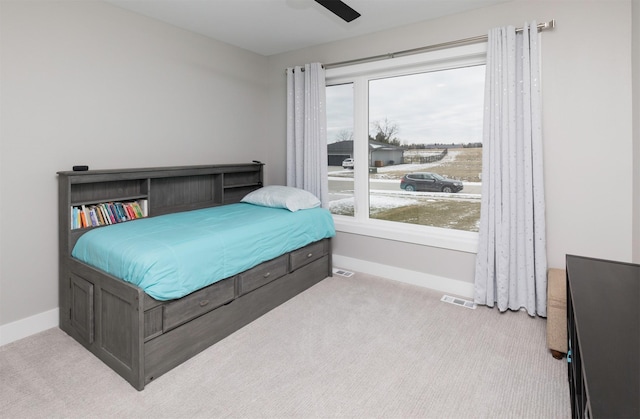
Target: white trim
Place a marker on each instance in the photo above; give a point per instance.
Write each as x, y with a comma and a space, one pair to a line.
432, 60
30, 326
438, 283
360, 75
463, 241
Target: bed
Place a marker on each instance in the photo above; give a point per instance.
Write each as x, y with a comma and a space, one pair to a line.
211, 251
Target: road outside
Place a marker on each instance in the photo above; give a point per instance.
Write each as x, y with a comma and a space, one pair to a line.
388, 201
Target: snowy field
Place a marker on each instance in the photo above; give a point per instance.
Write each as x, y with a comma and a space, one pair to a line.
382, 199
377, 203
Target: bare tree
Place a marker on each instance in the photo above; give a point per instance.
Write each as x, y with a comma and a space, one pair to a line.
344, 135
386, 132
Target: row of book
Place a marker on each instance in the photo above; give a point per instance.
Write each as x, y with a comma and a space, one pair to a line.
107, 213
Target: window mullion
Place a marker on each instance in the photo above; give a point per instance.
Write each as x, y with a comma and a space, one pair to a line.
361, 148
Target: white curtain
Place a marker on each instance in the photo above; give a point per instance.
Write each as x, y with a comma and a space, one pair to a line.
307, 130
511, 263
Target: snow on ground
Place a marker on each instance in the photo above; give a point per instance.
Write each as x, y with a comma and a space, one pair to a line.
376, 203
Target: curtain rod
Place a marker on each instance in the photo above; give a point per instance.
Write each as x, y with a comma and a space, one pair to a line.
541, 27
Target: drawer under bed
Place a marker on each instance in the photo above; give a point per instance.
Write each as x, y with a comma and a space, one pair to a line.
163, 316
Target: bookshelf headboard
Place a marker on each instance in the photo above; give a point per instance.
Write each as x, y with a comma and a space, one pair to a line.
96, 198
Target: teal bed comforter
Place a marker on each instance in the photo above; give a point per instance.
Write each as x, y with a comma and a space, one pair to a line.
172, 255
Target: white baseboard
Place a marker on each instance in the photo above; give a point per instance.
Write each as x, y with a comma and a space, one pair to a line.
30, 326
434, 282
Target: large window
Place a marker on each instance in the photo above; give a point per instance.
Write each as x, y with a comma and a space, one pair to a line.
405, 143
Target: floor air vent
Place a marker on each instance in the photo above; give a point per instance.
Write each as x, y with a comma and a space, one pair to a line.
342, 272
458, 301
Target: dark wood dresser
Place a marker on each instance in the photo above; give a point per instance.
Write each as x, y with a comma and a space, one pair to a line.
604, 337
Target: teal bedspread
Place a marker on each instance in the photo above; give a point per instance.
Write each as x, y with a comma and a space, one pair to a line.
172, 255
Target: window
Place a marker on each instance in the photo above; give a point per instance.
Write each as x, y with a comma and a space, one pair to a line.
340, 148
405, 146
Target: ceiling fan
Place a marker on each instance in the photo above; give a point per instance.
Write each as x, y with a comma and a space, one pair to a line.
340, 9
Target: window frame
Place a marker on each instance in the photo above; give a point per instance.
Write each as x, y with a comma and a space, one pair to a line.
360, 75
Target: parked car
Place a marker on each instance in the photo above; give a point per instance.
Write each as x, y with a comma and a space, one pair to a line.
347, 164
426, 181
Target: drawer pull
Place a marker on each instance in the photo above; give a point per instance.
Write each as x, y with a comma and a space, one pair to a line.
267, 275
309, 255
204, 303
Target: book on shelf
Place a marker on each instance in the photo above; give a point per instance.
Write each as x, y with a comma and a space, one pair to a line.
112, 212
83, 220
103, 211
129, 210
74, 217
136, 209
120, 212
93, 217
87, 218
99, 216
144, 206
107, 213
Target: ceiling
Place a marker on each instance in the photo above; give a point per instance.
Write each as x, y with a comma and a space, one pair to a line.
270, 27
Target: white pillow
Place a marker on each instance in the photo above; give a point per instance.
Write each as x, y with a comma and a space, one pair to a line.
288, 197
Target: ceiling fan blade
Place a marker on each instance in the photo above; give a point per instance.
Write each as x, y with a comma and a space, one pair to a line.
340, 9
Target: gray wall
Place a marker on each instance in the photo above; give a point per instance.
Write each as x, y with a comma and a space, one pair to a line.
587, 119
84, 82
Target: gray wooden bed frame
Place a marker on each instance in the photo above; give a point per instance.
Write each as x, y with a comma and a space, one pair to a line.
137, 336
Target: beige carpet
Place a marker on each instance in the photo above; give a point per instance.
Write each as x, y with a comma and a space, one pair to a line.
348, 347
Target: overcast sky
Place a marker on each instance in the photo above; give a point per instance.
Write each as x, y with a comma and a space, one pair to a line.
436, 107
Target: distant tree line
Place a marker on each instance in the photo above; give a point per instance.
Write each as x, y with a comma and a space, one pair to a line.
422, 146
386, 132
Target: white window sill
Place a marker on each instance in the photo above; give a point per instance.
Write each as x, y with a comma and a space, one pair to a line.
463, 241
